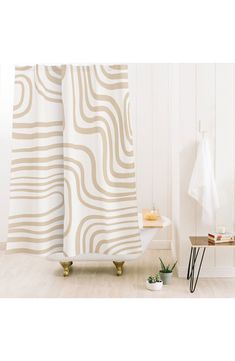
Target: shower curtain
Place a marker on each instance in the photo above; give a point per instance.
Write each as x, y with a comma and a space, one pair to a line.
73, 186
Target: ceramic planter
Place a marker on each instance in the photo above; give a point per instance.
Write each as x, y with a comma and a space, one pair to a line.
166, 277
154, 286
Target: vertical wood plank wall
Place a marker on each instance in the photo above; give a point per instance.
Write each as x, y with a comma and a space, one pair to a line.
149, 97
167, 103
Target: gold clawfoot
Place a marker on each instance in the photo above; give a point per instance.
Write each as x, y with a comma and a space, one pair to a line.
119, 267
66, 266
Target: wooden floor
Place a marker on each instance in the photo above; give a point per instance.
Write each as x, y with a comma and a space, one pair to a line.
30, 276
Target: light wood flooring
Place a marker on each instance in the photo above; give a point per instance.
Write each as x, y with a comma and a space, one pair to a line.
32, 276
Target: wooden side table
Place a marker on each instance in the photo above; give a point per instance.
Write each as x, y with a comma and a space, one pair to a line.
197, 244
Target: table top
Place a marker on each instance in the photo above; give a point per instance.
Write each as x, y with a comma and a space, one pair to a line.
199, 241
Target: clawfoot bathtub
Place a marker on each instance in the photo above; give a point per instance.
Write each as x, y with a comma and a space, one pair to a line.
146, 235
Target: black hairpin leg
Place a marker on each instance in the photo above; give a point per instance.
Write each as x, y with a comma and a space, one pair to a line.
191, 258
191, 267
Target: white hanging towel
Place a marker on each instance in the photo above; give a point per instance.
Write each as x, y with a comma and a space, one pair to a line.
202, 185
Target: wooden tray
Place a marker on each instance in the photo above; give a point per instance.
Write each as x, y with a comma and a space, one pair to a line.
151, 224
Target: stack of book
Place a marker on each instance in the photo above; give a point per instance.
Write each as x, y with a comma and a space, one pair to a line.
220, 237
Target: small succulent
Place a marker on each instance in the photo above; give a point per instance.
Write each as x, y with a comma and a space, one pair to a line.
154, 279
158, 277
167, 269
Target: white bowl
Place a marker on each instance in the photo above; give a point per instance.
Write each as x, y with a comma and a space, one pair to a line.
154, 286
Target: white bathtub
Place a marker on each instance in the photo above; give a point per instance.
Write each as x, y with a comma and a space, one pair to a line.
146, 235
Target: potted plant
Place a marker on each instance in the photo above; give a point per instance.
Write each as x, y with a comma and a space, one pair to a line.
166, 272
154, 283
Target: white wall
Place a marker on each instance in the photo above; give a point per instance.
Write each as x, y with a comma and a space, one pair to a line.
6, 104
167, 102
151, 117
207, 93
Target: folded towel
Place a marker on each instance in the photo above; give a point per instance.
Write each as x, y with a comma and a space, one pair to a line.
202, 185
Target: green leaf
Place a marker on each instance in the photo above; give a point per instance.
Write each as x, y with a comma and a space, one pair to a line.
173, 266
162, 265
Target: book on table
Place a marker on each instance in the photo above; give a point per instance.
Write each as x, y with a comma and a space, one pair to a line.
220, 237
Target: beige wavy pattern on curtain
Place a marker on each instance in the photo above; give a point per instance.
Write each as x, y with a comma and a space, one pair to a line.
73, 174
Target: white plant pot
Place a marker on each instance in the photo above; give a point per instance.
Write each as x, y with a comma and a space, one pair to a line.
154, 286
166, 277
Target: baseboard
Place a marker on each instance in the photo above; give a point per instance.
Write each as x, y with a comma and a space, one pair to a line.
210, 272
160, 244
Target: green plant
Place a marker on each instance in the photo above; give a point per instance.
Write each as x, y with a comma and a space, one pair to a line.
154, 279
158, 277
166, 269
